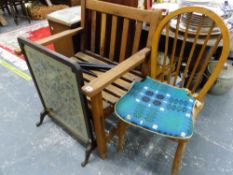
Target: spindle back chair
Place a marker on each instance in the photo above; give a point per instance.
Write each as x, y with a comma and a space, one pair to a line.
168, 103
188, 47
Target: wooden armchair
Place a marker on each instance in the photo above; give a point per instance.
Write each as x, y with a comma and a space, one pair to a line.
110, 34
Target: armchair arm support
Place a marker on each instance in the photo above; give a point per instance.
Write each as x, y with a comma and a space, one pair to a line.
98, 84
58, 36
54, 38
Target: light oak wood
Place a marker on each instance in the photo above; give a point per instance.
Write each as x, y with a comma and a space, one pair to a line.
205, 64
192, 51
137, 37
57, 27
198, 61
103, 33
59, 36
83, 24
124, 39
181, 54
192, 60
200, 56
98, 84
132, 3
94, 58
121, 134
113, 37
156, 18
119, 10
93, 30
98, 120
178, 157
117, 40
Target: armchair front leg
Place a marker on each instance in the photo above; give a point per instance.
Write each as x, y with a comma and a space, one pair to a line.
98, 121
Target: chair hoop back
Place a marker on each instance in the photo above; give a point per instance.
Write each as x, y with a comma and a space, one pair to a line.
189, 38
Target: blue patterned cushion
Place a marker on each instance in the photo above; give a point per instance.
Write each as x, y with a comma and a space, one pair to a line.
158, 107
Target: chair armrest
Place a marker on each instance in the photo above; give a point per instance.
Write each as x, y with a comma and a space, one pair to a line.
55, 37
58, 36
98, 84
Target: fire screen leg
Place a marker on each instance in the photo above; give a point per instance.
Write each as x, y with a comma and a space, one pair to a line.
89, 149
42, 116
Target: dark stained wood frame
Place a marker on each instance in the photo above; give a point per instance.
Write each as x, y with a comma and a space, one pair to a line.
79, 79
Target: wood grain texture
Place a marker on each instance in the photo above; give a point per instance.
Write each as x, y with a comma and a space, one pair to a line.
93, 58
193, 57
59, 36
103, 80
124, 39
83, 24
103, 33
119, 10
137, 36
200, 57
113, 37
93, 30
178, 157
98, 113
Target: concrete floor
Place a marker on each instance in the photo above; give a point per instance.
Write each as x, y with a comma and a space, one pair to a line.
26, 149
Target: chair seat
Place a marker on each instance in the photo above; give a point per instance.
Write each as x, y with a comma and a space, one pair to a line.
112, 93
159, 108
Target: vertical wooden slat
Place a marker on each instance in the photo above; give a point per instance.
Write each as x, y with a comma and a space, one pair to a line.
156, 17
137, 37
93, 30
121, 134
165, 52
205, 64
103, 33
83, 24
174, 46
200, 55
180, 58
192, 50
113, 37
124, 39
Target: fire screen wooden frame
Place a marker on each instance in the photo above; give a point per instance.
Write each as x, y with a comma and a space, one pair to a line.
58, 81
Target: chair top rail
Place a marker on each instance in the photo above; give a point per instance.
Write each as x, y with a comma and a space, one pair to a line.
120, 10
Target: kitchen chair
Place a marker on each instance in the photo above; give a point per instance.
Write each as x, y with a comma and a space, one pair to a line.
167, 103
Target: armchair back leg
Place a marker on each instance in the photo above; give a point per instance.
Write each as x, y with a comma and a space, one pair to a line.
121, 135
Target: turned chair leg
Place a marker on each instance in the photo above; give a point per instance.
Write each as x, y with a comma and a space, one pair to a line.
121, 135
178, 157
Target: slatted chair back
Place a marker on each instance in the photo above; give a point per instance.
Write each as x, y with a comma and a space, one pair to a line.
189, 38
115, 31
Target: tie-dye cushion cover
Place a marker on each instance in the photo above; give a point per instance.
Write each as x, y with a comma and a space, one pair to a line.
159, 108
